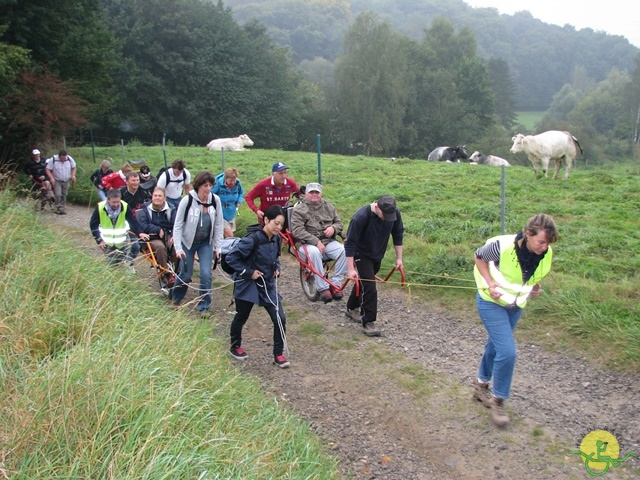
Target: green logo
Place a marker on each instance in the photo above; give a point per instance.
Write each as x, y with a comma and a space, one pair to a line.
600, 451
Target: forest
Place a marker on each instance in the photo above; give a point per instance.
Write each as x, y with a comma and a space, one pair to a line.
381, 77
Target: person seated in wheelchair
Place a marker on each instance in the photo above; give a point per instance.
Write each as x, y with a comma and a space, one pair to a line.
156, 220
35, 169
315, 224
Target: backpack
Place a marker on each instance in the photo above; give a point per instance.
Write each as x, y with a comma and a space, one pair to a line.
230, 244
165, 171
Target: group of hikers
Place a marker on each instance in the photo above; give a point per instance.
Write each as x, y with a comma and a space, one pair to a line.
183, 221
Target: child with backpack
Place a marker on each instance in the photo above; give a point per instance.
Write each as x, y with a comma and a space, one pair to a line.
257, 267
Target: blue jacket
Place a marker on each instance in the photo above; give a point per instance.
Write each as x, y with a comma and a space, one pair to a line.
152, 222
230, 198
266, 259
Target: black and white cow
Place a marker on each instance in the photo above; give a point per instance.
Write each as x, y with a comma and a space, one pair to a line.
449, 154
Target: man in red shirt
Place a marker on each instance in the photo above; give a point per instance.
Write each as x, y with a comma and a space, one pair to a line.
273, 190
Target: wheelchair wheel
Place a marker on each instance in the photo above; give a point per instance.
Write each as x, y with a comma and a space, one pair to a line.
308, 284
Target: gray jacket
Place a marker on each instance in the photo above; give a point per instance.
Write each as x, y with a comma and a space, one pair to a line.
184, 232
309, 221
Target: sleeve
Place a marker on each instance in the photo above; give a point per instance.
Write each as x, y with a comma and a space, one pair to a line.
397, 232
337, 223
94, 224
354, 232
252, 195
218, 225
178, 225
50, 163
94, 177
107, 179
146, 225
134, 226
162, 180
187, 177
240, 193
238, 257
489, 252
298, 218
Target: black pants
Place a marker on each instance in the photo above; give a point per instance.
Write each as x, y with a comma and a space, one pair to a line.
243, 310
367, 302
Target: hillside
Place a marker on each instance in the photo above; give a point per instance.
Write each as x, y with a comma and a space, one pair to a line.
542, 57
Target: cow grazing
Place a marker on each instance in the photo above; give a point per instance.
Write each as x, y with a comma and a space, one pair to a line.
449, 154
478, 158
553, 145
230, 144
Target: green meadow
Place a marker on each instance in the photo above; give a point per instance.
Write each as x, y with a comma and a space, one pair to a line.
591, 297
83, 400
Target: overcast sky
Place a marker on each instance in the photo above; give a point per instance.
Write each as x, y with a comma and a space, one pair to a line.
617, 17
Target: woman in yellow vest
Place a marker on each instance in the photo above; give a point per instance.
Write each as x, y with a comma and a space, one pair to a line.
508, 271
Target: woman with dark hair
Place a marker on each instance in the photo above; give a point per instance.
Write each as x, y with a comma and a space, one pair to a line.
508, 271
256, 261
197, 230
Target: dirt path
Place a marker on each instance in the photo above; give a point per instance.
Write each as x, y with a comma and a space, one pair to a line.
400, 407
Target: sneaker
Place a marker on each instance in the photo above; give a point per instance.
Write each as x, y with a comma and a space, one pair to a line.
238, 353
498, 412
281, 361
337, 294
481, 393
370, 330
354, 315
325, 296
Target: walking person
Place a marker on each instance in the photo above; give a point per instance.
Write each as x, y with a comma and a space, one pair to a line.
229, 188
98, 175
367, 238
508, 270
257, 263
197, 230
36, 169
175, 180
274, 190
61, 170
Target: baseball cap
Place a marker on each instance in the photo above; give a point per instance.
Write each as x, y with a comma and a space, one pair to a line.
35, 152
278, 167
387, 204
313, 187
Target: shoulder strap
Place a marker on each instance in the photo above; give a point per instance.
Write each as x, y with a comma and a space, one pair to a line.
186, 211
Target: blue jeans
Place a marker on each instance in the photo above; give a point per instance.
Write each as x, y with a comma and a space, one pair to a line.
173, 203
205, 258
102, 194
499, 358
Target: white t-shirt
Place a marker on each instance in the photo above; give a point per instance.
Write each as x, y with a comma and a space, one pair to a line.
173, 188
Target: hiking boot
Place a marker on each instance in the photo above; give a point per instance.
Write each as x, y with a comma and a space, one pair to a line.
481, 393
370, 330
238, 353
281, 361
325, 296
498, 412
337, 294
354, 315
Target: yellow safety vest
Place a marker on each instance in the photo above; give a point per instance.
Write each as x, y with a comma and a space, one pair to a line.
113, 235
514, 291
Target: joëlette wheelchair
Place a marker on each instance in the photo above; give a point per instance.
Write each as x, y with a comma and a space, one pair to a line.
166, 275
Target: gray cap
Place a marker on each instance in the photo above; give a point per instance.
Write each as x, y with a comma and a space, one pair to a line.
313, 187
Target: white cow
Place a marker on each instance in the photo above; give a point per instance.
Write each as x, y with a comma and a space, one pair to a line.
234, 144
478, 158
553, 145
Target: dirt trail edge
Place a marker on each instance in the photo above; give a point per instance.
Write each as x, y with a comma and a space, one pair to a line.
400, 406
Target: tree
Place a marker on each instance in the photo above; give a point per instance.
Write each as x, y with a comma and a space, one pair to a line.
45, 108
12, 61
504, 91
373, 84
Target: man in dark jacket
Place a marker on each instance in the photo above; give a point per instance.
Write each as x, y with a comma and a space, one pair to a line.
35, 169
365, 246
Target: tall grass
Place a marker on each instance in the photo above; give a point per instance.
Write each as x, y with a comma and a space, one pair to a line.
101, 380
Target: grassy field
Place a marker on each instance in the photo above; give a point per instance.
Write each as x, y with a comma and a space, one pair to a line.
529, 119
81, 398
591, 300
